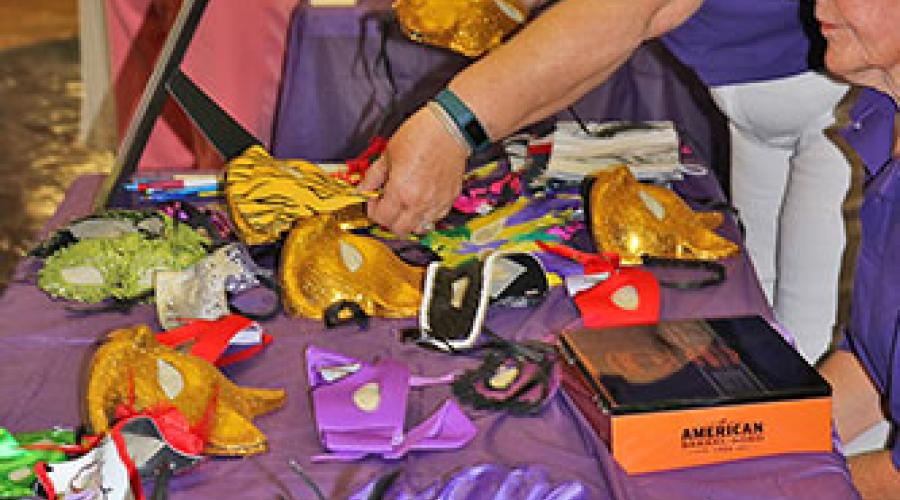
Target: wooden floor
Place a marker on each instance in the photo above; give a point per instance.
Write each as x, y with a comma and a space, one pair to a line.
24, 22
40, 95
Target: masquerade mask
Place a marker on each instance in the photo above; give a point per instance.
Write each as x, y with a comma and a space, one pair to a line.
265, 196
456, 299
610, 295
633, 219
116, 257
323, 265
17, 459
203, 291
360, 409
515, 377
141, 446
469, 27
490, 481
133, 368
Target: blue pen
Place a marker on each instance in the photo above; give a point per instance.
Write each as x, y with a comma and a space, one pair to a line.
161, 197
185, 190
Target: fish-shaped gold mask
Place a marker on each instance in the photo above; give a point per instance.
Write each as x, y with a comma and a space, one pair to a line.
323, 265
634, 219
131, 368
265, 195
470, 27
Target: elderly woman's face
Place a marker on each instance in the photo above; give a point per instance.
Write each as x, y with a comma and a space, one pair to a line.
863, 38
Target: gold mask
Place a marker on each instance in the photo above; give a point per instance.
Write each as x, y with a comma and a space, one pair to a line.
634, 219
323, 265
132, 368
265, 196
470, 27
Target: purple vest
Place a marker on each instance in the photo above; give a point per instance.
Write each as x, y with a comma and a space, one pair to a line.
739, 41
874, 331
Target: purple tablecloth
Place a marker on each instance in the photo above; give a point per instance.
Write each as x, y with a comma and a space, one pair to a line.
44, 351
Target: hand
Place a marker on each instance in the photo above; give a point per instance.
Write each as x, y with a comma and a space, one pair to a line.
421, 172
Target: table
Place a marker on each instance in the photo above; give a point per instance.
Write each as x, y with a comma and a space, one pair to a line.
44, 350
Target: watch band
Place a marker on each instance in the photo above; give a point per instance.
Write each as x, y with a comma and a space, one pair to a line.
464, 118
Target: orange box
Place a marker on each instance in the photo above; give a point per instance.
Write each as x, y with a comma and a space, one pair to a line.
686, 393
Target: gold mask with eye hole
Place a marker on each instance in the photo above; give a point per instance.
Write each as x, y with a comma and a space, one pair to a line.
265, 195
134, 369
635, 219
322, 264
470, 27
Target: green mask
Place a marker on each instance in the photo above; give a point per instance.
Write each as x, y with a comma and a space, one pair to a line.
116, 255
17, 463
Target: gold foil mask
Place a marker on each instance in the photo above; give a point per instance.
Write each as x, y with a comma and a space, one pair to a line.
133, 369
323, 265
470, 27
265, 196
634, 219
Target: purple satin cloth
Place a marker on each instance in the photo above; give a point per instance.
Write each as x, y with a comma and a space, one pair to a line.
487, 482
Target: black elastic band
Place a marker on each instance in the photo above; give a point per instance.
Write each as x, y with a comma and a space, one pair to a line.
200, 219
500, 352
715, 272
271, 284
407, 253
162, 475
357, 315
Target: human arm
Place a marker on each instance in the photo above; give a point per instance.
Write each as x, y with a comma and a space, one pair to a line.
571, 48
875, 476
856, 407
856, 402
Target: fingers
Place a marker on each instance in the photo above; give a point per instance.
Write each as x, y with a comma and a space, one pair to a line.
375, 177
385, 210
409, 222
404, 216
398, 215
420, 174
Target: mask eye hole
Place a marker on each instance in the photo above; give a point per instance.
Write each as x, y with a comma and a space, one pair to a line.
510, 11
653, 205
19, 474
169, 379
367, 397
83, 275
350, 256
626, 298
337, 372
458, 291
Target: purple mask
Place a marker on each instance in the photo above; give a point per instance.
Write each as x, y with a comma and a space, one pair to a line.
360, 409
485, 482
